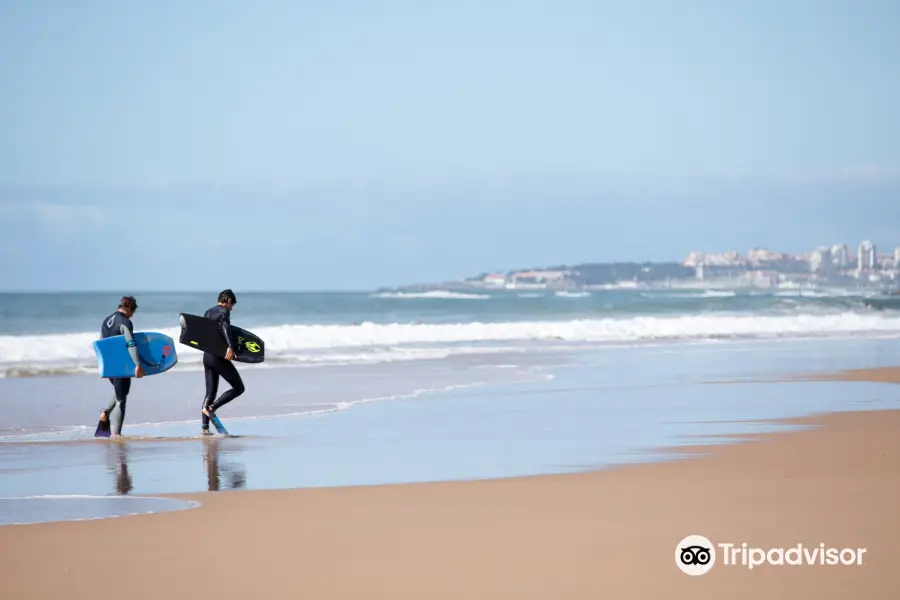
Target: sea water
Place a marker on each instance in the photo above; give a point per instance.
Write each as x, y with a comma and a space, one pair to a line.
371, 388
52, 333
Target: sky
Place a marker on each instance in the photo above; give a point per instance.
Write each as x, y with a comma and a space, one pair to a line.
163, 145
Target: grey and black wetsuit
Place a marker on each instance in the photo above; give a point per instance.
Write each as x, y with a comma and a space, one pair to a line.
216, 366
118, 324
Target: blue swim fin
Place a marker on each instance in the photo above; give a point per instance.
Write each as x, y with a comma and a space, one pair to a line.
218, 424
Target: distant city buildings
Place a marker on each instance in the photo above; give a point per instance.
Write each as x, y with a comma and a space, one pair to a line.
760, 256
840, 255
524, 280
820, 260
866, 256
494, 280
827, 266
727, 259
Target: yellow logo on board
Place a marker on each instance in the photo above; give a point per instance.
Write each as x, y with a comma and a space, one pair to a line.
252, 346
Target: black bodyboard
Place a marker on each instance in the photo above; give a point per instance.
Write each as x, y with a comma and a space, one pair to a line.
204, 334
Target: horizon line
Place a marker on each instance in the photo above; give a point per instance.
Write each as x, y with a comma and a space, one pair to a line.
184, 291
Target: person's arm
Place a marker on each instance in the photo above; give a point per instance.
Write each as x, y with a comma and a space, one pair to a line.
127, 331
129, 341
225, 324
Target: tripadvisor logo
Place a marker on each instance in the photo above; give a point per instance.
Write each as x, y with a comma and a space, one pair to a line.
697, 555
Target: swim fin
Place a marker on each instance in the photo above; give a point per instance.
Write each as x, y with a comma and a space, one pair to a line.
103, 429
218, 424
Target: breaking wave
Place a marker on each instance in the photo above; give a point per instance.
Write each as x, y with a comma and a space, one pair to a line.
436, 294
29, 355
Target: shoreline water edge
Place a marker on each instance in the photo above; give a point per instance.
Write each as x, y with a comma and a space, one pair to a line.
828, 486
477, 455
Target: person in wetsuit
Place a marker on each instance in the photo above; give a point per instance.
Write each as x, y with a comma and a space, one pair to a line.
216, 366
119, 323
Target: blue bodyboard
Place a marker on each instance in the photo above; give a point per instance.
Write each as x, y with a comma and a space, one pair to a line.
156, 351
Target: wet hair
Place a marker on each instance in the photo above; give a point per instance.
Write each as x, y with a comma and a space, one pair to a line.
128, 303
226, 295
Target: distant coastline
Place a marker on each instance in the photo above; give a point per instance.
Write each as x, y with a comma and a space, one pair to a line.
825, 268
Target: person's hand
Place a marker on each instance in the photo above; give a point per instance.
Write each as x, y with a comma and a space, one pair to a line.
229, 354
139, 371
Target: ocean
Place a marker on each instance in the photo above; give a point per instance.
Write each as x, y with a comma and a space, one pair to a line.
46, 334
372, 387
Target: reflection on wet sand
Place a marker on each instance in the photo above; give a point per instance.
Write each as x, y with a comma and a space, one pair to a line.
117, 462
233, 474
219, 475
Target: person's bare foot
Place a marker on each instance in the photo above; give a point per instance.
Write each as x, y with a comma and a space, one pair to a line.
103, 415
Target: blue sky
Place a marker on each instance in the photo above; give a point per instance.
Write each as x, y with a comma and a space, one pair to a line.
347, 145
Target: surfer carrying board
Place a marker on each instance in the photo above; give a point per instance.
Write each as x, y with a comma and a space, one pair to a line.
119, 323
216, 366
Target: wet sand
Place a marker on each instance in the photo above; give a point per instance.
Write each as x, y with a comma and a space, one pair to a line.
877, 374
607, 533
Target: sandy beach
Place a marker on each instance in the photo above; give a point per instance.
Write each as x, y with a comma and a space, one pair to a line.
584, 535
450, 301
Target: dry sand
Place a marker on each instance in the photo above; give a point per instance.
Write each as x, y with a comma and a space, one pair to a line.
603, 534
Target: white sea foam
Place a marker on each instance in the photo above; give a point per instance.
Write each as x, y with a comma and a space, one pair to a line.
435, 294
692, 294
370, 342
566, 294
25, 510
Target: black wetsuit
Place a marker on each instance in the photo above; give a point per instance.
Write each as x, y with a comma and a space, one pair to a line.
216, 366
118, 324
